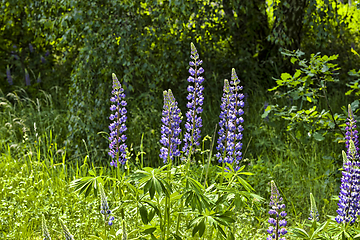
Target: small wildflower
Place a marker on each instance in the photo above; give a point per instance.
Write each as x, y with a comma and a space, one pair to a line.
170, 129
42, 59
117, 127
275, 223
66, 232
196, 99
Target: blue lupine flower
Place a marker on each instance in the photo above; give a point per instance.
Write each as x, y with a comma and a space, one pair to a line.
230, 136
67, 234
349, 195
351, 134
117, 127
276, 222
42, 59
47, 53
195, 97
27, 78
8, 75
170, 129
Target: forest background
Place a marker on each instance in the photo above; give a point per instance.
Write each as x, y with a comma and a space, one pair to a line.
60, 56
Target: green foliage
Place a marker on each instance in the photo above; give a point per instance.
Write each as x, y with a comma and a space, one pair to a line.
307, 87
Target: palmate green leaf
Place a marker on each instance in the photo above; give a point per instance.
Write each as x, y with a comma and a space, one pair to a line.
87, 184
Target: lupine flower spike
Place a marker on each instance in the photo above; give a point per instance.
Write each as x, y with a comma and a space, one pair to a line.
276, 223
8, 75
170, 129
45, 229
226, 126
349, 190
195, 97
117, 127
230, 136
237, 118
314, 214
351, 134
105, 208
66, 232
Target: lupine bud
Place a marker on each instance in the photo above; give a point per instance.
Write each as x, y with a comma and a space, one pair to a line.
8, 75
351, 134
117, 127
27, 78
195, 96
31, 48
170, 129
38, 80
314, 214
105, 207
45, 229
66, 232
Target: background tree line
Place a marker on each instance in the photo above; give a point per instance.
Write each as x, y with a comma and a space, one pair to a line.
74, 46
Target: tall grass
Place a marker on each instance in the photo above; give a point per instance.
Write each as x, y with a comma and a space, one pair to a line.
36, 172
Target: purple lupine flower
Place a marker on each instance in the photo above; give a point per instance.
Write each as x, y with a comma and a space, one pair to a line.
47, 53
27, 78
230, 136
276, 222
170, 129
31, 48
117, 127
42, 59
8, 75
351, 134
349, 195
195, 97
